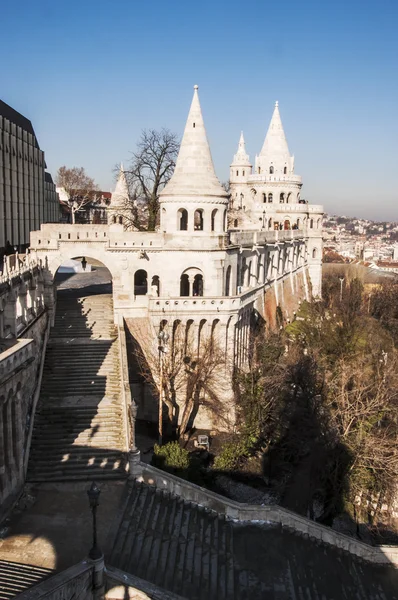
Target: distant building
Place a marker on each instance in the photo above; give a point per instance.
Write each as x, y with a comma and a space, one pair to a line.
93, 212
27, 193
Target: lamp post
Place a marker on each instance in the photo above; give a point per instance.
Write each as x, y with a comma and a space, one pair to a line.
93, 496
163, 338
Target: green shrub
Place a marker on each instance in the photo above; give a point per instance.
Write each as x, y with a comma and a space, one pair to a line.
233, 452
171, 456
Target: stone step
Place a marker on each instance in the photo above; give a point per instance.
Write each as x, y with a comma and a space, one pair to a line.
81, 366
177, 545
75, 474
17, 577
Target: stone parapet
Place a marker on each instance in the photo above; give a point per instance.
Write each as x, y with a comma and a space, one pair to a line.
75, 582
271, 514
122, 586
14, 357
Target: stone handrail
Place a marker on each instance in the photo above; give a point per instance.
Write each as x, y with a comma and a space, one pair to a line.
255, 177
125, 383
269, 513
16, 265
204, 303
121, 585
281, 207
251, 238
75, 582
36, 395
15, 356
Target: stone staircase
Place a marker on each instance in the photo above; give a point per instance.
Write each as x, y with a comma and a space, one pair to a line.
199, 554
78, 431
16, 578
179, 546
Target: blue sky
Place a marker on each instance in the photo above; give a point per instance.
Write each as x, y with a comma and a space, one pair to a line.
92, 74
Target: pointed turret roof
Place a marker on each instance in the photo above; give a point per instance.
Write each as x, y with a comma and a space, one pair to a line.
194, 173
275, 145
121, 193
241, 158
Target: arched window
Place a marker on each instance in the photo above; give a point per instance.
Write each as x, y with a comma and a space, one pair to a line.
314, 253
191, 282
284, 170
182, 220
241, 200
213, 219
318, 223
198, 220
286, 225
312, 224
270, 198
120, 220
259, 170
235, 222
271, 170
184, 285
237, 173
197, 287
264, 197
228, 281
243, 173
114, 219
140, 282
288, 198
282, 198
224, 220
298, 223
155, 285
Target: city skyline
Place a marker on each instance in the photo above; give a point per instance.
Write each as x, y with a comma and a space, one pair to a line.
104, 78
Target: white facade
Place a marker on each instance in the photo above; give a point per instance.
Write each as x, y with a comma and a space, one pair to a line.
194, 272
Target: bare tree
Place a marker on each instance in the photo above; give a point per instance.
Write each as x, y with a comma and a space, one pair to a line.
78, 186
188, 376
151, 168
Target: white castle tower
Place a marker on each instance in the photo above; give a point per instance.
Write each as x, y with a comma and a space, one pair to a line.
119, 200
193, 201
240, 171
269, 198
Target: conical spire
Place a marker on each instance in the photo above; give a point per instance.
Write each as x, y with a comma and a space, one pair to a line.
241, 158
275, 146
121, 193
194, 173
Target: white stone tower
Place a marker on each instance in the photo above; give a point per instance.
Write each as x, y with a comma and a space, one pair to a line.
120, 199
240, 172
274, 158
194, 202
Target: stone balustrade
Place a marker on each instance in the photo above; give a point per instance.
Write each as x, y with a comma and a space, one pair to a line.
12, 358
266, 513
287, 208
260, 178
251, 238
192, 305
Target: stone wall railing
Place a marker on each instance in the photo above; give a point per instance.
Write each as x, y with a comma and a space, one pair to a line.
15, 356
120, 585
75, 582
283, 207
259, 178
17, 265
250, 238
199, 304
271, 513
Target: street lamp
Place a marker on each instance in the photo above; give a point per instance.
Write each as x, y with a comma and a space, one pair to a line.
93, 496
163, 338
133, 418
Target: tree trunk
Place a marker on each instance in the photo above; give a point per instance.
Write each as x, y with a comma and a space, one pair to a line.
72, 213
